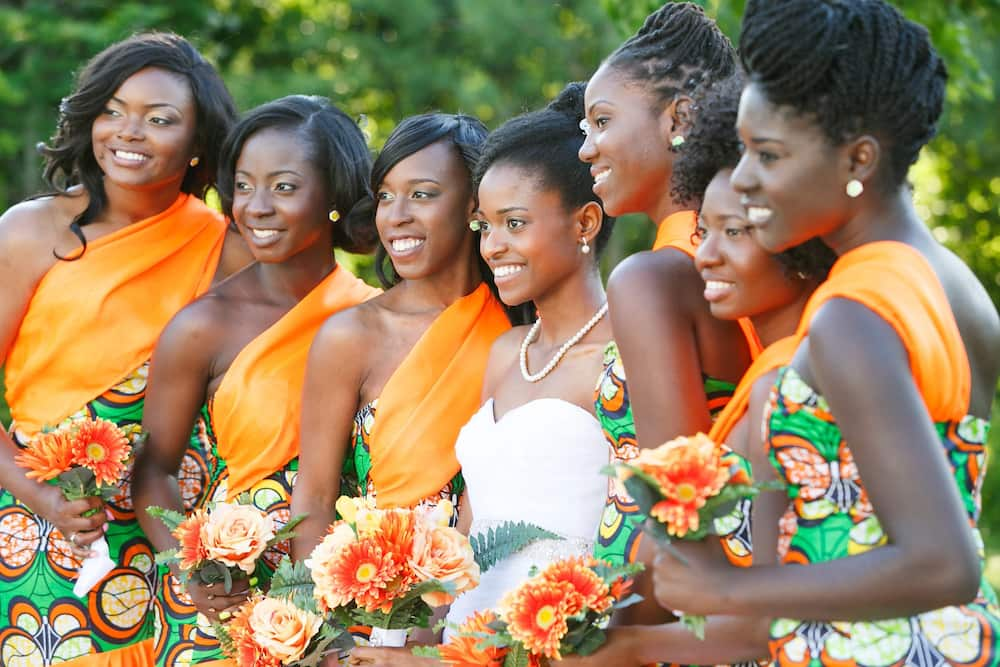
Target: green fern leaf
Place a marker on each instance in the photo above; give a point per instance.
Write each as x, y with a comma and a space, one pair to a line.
505, 540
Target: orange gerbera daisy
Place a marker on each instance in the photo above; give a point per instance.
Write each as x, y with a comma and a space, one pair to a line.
102, 447
590, 591
620, 588
361, 572
688, 471
536, 615
192, 549
48, 456
462, 650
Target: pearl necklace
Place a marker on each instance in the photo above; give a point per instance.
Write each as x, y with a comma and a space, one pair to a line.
574, 339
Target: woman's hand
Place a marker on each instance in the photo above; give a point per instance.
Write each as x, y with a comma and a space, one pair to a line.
694, 587
378, 657
619, 650
213, 602
68, 517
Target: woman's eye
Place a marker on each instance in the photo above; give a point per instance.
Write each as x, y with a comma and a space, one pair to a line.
482, 226
699, 233
284, 187
157, 120
601, 121
766, 158
422, 194
382, 195
111, 112
515, 223
733, 232
241, 186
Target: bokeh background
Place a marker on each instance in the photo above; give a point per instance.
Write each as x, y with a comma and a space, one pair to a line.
381, 60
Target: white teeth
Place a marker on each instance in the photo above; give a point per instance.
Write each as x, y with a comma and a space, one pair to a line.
758, 214
507, 270
601, 176
264, 233
132, 157
717, 284
402, 245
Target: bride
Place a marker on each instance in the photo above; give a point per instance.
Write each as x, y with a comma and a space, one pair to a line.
534, 450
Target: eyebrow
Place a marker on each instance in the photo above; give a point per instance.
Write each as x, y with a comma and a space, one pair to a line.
152, 105
272, 174
414, 181
765, 140
596, 102
501, 211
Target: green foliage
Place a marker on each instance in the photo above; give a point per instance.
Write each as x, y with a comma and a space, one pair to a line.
505, 540
293, 582
170, 518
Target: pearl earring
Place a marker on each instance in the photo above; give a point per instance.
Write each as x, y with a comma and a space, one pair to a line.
334, 215
194, 161
855, 188
584, 246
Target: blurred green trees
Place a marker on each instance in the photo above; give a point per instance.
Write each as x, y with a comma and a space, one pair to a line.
381, 60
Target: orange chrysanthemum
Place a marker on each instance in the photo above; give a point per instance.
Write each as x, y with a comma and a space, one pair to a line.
361, 571
462, 650
620, 588
688, 471
192, 549
102, 447
48, 456
536, 615
590, 591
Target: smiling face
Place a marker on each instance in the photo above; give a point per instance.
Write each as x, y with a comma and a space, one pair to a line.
626, 145
279, 199
528, 238
791, 177
144, 138
424, 206
741, 278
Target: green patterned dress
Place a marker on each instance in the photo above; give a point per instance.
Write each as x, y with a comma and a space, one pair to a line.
829, 516
356, 478
183, 637
41, 621
620, 529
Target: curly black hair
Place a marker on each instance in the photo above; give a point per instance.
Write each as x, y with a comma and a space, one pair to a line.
856, 66
69, 156
713, 145
677, 50
547, 143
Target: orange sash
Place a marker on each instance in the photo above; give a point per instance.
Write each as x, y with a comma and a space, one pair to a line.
774, 356
676, 231
897, 283
255, 411
429, 398
94, 320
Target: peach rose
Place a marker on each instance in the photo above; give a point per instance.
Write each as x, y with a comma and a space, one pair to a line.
282, 629
444, 554
236, 535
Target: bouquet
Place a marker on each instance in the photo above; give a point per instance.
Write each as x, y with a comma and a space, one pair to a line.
284, 627
85, 458
388, 568
562, 610
222, 543
688, 487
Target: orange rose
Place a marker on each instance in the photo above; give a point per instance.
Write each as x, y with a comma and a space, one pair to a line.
282, 629
236, 535
444, 554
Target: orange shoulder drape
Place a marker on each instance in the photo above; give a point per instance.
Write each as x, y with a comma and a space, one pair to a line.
677, 231
897, 283
255, 411
774, 356
430, 397
93, 320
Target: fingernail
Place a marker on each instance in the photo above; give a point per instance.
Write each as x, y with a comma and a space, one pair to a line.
107, 513
104, 528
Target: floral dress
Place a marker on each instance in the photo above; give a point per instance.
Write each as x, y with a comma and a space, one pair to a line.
829, 516
183, 637
356, 475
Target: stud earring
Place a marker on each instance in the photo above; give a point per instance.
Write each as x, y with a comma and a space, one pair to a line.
194, 161
475, 225
677, 141
584, 246
801, 275
334, 215
855, 188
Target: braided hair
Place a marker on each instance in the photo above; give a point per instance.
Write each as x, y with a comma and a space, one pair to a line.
676, 50
856, 66
713, 145
547, 143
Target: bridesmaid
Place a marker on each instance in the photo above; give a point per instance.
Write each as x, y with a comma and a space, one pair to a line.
90, 275
900, 340
291, 172
682, 363
408, 364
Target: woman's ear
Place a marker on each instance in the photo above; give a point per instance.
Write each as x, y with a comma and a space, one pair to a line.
863, 158
589, 219
676, 119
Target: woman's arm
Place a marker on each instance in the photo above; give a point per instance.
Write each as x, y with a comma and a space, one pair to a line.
858, 363
334, 373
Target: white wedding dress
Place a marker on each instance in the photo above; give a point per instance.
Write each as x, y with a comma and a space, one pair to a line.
540, 463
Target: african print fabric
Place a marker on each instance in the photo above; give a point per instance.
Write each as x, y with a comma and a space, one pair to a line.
184, 637
356, 478
829, 516
41, 621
